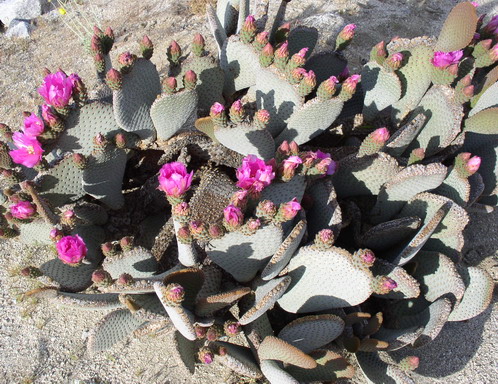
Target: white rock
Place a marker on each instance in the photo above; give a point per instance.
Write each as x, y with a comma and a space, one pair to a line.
22, 9
19, 28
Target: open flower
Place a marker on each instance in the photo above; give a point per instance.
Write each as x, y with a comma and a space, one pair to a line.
56, 89
22, 210
29, 152
71, 249
445, 59
289, 210
174, 179
254, 174
233, 216
33, 125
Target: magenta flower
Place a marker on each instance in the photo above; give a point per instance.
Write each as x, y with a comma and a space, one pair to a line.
233, 216
289, 166
445, 59
56, 89
33, 125
22, 210
290, 209
326, 164
49, 116
71, 249
492, 26
29, 152
174, 179
254, 174
75, 79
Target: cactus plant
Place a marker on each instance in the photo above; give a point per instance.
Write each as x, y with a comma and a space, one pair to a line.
209, 200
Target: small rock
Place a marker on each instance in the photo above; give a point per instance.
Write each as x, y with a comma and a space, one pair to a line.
19, 28
22, 9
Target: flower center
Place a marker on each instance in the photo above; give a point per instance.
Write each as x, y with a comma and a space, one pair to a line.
30, 150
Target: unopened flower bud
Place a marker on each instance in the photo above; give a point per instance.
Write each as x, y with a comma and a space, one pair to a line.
213, 333
294, 148
327, 88
125, 279
80, 160
99, 61
233, 217
297, 59
248, 30
174, 293
466, 165
146, 47
345, 36
282, 56
190, 80
114, 79
395, 60
120, 140
350, 84
218, 115
216, 231
169, 85
174, 53
205, 356
95, 44
287, 211
261, 118
307, 84
102, 278
379, 53
232, 328
266, 56
296, 75
181, 211
288, 167
108, 249
126, 61
198, 45
184, 236
100, 141
284, 148
56, 234
237, 113
383, 285
325, 239
200, 332
409, 363
260, 41
266, 210
31, 272
126, 243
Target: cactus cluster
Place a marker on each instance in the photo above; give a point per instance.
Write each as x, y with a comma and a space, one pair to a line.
271, 206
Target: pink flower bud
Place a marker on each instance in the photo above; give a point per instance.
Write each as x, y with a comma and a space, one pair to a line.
250, 24
200, 332
233, 216
262, 116
294, 148
253, 224
290, 209
71, 249
239, 198
289, 166
33, 126
216, 231
126, 59
22, 210
350, 83
199, 40
348, 31
174, 179
124, 279
395, 60
55, 234
303, 52
181, 210
380, 49
262, 38
114, 79
326, 165
174, 293
126, 243
101, 278
409, 363
232, 328
380, 135
254, 174
445, 59
29, 152
473, 164
389, 284
217, 109
205, 356
283, 51
56, 89
190, 79
368, 257
284, 148
50, 118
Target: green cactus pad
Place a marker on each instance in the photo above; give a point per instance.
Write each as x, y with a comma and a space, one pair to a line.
83, 124
438, 276
377, 371
184, 351
273, 348
487, 100
274, 372
382, 89
103, 177
284, 253
239, 359
244, 11
406, 184
364, 175
241, 255
402, 138
191, 279
182, 318
489, 167
217, 29
93, 237
476, 188
247, 140
385, 235
283, 192
36, 232
444, 120
227, 12
62, 183
208, 305
325, 212
312, 332
278, 97
414, 75
132, 102
212, 196
325, 64
91, 213
330, 367
210, 80
87, 301
139, 286
480, 130
266, 295
171, 112
398, 338
310, 120
300, 37
70, 279
212, 281
240, 63
114, 327
458, 29
456, 188
407, 288
138, 262
478, 293
321, 280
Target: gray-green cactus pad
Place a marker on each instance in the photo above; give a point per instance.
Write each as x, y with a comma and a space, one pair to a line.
170, 113
133, 101
489, 99
243, 256
274, 372
113, 328
377, 371
283, 192
382, 89
103, 178
83, 124
407, 287
70, 279
239, 359
398, 338
36, 232
321, 280
330, 367
247, 140
87, 301
325, 212
310, 120
227, 12
325, 64
458, 29
137, 262
240, 63
273, 348
312, 332
93, 236
385, 235
401, 139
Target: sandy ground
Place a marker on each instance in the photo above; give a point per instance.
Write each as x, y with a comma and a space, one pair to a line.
41, 344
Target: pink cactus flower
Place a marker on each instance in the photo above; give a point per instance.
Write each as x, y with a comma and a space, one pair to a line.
33, 125
233, 216
331, 164
492, 26
174, 179
217, 109
75, 79
290, 209
445, 59
49, 116
29, 152
289, 166
56, 89
71, 249
22, 210
254, 174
